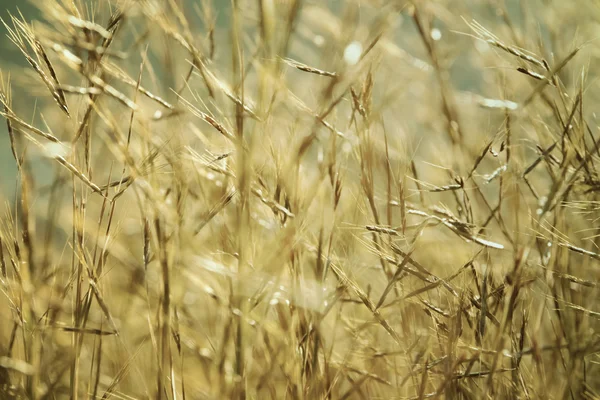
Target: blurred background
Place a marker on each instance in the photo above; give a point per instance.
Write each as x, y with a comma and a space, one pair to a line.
11, 60
465, 75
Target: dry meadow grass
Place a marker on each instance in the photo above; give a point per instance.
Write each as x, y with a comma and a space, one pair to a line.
292, 199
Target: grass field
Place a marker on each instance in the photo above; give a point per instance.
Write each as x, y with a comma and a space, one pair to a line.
296, 199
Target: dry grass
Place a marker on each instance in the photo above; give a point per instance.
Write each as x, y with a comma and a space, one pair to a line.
279, 199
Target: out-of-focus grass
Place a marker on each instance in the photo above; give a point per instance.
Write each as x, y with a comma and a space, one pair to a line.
12, 59
304, 201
